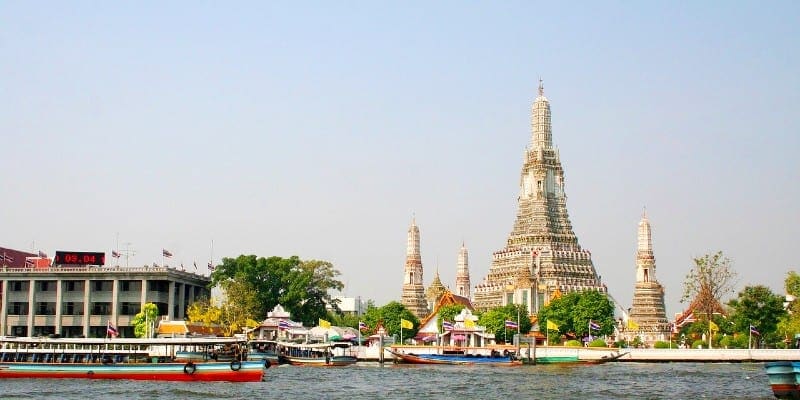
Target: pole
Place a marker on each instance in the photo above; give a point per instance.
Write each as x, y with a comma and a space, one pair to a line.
749, 339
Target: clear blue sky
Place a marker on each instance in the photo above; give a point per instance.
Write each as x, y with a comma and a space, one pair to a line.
319, 129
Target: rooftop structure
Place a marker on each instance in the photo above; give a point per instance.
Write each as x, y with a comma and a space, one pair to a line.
413, 289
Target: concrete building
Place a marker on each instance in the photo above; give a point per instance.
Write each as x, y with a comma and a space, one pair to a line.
542, 255
74, 301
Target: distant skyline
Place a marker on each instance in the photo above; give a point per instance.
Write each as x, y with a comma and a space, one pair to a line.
319, 129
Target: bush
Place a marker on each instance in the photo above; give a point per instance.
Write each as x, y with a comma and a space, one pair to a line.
597, 343
662, 345
699, 344
572, 343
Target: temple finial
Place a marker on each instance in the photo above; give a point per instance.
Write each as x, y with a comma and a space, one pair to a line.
644, 212
541, 87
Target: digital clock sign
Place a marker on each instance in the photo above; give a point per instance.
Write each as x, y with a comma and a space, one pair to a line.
79, 258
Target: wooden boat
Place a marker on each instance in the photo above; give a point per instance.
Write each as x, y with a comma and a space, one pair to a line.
784, 378
575, 359
137, 359
264, 350
336, 354
454, 359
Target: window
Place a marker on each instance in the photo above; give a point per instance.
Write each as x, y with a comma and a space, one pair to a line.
72, 308
45, 308
129, 308
73, 286
18, 308
101, 308
17, 286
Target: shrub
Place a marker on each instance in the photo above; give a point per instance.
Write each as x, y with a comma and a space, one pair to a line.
699, 344
572, 343
662, 345
597, 343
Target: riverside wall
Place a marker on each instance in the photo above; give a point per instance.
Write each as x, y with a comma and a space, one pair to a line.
627, 355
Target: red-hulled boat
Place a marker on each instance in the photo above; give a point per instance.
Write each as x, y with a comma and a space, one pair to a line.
138, 359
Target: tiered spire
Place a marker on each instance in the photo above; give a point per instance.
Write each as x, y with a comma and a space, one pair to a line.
542, 240
462, 273
648, 316
413, 289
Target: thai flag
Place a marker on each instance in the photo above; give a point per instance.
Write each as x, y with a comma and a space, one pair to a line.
754, 331
447, 325
210, 266
362, 325
114, 254
511, 324
166, 253
284, 325
594, 325
111, 329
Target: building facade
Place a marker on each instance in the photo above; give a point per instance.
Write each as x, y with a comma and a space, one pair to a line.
647, 318
74, 301
542, 254
413, 288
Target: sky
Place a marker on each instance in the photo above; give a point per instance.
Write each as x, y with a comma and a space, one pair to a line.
320, 129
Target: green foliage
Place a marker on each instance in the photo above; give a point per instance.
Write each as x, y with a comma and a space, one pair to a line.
660, 344
145, 322
448, 313
255, 285
573, 311
760, 307
599, 342
572, 343
700, 344
495, 321
389, 316
789, 323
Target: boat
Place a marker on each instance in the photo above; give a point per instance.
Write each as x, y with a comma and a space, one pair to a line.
158, 359
454, 359
264, 350
784, 378
575, 359
332, 354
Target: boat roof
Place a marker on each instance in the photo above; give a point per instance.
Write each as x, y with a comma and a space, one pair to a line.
133, 341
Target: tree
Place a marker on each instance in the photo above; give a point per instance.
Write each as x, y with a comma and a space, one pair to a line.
495, 321
789, 325
144, 322
302, 287
573, 311
389, 316
711, 278
759, 307
448, 313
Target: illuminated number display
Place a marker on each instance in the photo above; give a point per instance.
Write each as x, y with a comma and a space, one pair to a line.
79, 258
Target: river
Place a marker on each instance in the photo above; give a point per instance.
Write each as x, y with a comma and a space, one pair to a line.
623, 380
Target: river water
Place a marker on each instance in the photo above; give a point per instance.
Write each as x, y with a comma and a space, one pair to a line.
622, 380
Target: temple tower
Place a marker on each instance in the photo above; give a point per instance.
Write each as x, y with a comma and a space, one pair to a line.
542, 240
435, 291
413, 288
462, 273
647, 317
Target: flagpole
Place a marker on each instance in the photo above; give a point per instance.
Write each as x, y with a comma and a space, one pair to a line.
750, 337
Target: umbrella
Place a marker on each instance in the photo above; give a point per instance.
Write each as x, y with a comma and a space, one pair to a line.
459, 337
348, 336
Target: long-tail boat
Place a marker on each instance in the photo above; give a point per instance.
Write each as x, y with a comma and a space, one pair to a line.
162, 359
454, 359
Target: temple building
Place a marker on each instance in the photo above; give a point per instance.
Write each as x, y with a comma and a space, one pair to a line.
542, 255
462, 273
413, 289
647, 318
435, 291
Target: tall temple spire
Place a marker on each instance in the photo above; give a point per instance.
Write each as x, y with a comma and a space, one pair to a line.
462, 273
413, 290
647, 312
542, 248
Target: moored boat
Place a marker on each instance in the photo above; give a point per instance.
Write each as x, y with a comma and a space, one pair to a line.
264, 350
784, 378
334, 354
454, 359
137, 359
